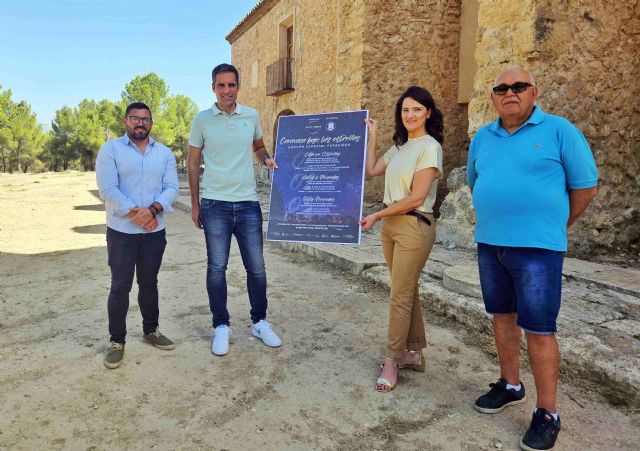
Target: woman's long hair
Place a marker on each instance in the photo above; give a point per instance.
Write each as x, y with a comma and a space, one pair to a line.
435, 123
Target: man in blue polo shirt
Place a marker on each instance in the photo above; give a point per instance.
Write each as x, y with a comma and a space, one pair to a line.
532, 175
230, 137
138, 182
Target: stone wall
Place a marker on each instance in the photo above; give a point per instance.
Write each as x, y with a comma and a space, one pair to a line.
327, 71
584, 56
354, 54
414, 42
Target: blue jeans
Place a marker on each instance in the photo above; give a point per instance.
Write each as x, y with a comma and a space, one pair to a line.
128, 253
522, 280
220, 220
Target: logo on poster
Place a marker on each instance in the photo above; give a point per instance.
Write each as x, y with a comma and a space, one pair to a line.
313, 126
331, 126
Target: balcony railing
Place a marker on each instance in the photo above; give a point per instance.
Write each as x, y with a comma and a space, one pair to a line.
280, 77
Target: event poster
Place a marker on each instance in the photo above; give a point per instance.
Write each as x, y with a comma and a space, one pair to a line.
317, 190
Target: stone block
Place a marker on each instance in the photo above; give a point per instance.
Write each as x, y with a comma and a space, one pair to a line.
463, 280
457, 217
347, 258
630, 327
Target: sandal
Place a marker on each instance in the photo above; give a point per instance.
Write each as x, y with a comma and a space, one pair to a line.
419, 368
384, 385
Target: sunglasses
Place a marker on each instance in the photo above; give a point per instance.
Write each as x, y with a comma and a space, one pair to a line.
516, 88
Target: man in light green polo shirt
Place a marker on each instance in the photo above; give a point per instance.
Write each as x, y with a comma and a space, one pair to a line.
229, 136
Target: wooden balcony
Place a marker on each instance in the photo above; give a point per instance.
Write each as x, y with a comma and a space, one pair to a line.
280, 77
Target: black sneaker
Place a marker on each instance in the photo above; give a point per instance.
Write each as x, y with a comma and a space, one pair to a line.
499, 397
542, 432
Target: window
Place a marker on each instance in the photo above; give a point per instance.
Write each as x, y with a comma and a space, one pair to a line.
280, 73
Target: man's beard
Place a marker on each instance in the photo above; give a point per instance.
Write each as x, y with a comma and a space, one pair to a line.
140, 134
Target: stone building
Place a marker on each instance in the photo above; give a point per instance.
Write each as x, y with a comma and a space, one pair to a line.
305, 56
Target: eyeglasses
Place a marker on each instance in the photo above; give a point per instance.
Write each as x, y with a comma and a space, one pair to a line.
136, 120
516, 88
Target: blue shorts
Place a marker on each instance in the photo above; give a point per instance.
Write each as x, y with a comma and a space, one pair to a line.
522, 280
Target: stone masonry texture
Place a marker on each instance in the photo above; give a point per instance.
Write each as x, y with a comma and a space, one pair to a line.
327, 69
361, 54
584, 57
355, 54
414, 42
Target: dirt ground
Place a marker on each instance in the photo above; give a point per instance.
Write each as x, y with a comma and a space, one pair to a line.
315, 392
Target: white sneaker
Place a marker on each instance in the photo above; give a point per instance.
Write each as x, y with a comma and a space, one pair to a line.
263, 331
220, 340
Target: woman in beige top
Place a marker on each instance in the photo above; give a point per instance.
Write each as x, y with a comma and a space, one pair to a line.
412, 167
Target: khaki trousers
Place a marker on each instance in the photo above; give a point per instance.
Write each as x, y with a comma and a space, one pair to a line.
406, 243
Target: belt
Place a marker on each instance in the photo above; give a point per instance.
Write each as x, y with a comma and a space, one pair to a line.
419, 216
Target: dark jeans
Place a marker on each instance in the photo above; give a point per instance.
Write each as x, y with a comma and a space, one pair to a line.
220, 220
141, 253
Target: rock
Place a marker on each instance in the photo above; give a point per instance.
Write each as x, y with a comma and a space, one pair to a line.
457, 179
455, 226
463, 279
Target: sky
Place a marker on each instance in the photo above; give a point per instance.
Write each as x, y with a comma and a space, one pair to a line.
58, 52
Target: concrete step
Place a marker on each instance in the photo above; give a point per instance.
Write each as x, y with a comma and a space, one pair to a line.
348, 258
623, 280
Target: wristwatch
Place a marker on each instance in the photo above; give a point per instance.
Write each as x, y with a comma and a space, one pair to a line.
265, 158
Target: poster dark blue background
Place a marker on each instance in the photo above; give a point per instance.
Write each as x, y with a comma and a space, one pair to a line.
317, 190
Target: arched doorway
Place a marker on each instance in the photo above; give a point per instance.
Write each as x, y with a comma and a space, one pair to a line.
286, 112
262, 173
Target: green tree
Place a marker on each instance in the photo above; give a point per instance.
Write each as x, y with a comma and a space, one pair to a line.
173, 126
78, 133
28, 138
21, 137
111, 119
89, 134
49, 154
149, 89
172, 114
6, 136
62, 149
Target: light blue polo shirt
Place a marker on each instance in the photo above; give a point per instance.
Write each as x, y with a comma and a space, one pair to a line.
226, 141
521, 181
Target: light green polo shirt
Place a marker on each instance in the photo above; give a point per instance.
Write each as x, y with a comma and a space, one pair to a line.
227, 146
